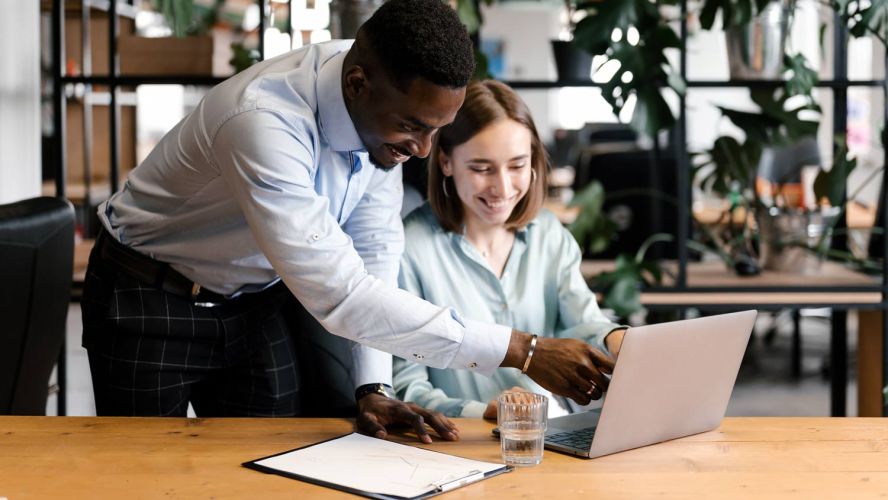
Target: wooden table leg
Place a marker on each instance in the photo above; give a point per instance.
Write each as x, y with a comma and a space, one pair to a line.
869, 364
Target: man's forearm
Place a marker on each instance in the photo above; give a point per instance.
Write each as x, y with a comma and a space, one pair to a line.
516, 354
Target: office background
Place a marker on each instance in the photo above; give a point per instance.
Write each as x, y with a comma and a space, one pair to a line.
515, 36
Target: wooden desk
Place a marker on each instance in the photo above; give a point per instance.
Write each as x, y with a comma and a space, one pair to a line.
74, 457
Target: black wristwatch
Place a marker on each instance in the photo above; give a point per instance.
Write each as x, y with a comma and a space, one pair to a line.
382, 389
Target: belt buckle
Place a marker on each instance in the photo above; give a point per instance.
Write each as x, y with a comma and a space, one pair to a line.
195, 291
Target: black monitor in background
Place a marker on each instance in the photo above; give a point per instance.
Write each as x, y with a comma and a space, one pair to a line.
622, 167
568, 143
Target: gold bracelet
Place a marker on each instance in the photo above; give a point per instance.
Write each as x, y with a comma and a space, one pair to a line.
533, 344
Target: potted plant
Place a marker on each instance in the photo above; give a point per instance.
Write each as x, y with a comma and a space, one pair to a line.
571, 61
636, 35
188, 52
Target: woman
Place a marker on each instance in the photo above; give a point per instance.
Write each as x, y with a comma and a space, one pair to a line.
482, 245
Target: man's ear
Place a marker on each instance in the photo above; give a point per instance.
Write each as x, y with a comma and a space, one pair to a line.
355, 82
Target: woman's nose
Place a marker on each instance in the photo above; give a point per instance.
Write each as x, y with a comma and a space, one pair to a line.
501, 183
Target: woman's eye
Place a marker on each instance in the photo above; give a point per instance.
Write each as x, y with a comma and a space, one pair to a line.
518, 166
480, 170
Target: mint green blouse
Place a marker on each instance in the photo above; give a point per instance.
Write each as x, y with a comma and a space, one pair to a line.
541, 291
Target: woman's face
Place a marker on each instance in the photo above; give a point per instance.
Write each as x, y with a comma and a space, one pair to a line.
491, 171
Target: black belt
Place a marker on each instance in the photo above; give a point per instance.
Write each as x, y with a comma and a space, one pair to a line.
152, 272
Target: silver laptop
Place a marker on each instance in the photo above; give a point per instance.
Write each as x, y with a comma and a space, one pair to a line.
671, 380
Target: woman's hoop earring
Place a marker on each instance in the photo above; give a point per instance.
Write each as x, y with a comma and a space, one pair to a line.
533, 176
444, 185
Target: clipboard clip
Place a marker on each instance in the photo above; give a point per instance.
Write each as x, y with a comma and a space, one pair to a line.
449, 482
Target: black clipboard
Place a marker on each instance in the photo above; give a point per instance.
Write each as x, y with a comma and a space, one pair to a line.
435, 488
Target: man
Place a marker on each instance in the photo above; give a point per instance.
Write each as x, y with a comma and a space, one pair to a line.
285, 180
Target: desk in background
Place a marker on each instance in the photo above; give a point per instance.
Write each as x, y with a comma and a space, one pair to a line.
711, 287
83, 457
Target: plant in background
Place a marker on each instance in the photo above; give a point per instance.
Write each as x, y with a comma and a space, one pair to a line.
186, 18
594, 232
635, 37
243, 57
730, 167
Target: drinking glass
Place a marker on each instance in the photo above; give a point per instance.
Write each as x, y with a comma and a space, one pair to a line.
521, 417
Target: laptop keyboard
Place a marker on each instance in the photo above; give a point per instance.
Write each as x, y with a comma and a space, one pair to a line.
580, 438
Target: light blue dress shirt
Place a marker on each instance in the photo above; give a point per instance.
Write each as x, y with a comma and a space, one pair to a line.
541, 291
267, 179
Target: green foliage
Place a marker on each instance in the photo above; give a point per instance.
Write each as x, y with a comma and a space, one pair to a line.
186, 18
802, 78
730, 163
643, 68
831, 184
622, 286
242, 57
592, 229
734, 12
863, 17
594, 232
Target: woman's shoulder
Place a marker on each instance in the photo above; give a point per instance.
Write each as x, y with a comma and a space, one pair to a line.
550, 232
546, 225
421, 227
422, 219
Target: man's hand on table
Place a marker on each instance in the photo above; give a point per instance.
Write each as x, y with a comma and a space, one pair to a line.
377, 412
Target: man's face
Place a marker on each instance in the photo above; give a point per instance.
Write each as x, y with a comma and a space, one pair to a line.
395, 125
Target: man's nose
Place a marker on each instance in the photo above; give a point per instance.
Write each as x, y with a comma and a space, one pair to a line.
423, 145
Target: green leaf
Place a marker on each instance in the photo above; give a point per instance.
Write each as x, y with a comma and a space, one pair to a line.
623, 297
467, 13
832, 184
592, 229
802, 78
646, 63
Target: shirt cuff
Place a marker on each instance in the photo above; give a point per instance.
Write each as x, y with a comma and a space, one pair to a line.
483, 347
371, 366
473, 409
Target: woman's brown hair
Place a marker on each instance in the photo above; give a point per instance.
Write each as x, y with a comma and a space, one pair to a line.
486, 102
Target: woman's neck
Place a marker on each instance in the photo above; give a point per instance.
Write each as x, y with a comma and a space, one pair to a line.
493, 242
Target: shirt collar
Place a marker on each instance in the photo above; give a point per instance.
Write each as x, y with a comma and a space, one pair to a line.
334, 119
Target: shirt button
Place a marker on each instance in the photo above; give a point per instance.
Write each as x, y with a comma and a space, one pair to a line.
316, 236
473, 365
418, 356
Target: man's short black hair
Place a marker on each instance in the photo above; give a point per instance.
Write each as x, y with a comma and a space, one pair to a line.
421, 38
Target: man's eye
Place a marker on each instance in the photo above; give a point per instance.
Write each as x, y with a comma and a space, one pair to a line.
408, 128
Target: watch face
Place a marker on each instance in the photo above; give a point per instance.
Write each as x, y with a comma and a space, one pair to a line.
387, 391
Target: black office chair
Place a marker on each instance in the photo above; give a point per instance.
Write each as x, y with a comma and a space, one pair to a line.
36, 261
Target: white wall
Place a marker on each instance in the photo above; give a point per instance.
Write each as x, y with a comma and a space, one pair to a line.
19, 100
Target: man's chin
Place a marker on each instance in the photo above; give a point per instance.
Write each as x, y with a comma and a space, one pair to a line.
380, 165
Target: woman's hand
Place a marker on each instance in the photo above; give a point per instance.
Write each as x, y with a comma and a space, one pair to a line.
614, 341
490, 412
